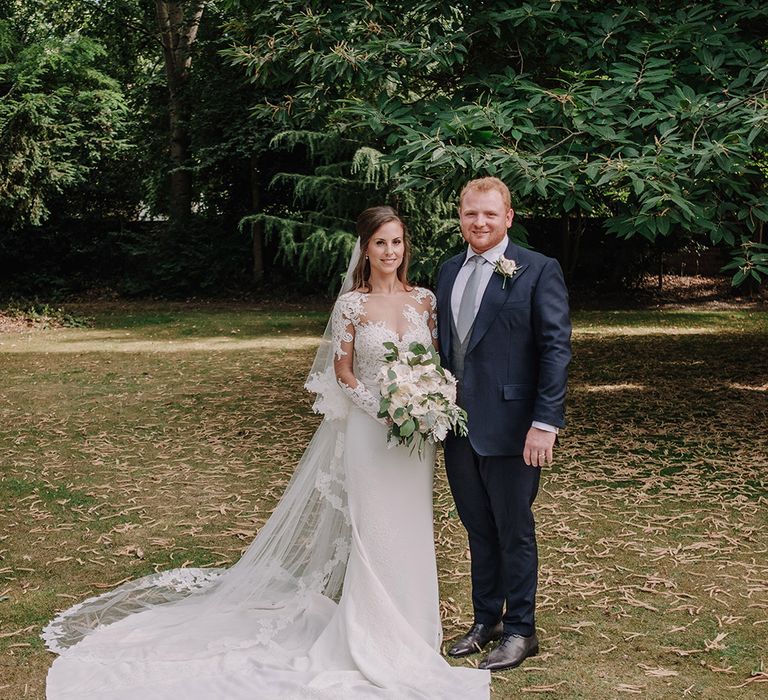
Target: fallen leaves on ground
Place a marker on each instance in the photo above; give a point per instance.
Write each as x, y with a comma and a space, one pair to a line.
653, 557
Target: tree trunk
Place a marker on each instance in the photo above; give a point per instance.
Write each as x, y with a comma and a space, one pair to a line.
178, 22
660, 278
570, 245
257, 228
180, 185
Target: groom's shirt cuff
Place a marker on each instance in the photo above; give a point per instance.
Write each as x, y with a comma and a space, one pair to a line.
545, 426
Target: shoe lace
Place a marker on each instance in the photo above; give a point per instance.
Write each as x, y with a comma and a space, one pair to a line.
507, 639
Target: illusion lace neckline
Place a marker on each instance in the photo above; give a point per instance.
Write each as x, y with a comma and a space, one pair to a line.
414, 317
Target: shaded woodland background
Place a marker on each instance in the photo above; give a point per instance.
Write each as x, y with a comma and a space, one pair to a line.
218, 147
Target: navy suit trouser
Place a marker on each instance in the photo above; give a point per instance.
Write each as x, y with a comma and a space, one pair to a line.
494, 496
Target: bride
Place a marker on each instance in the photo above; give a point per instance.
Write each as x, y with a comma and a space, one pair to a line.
337, 597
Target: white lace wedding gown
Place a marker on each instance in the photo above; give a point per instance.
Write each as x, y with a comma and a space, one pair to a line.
356, 516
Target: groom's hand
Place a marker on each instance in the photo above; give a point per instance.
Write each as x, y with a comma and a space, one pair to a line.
538, 447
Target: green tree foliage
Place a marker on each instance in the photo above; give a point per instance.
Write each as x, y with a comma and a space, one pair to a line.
125, 180
92, 235
60, 115
650, 115
313, 218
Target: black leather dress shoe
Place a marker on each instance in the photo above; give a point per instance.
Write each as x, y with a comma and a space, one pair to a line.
511, 652
473, 641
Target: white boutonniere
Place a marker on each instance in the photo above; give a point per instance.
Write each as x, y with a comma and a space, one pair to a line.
506, 268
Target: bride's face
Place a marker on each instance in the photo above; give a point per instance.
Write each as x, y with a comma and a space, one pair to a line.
386, 248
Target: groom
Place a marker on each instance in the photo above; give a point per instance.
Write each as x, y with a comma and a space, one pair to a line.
505, 334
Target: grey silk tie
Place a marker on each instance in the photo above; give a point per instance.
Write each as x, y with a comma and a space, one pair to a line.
466, 315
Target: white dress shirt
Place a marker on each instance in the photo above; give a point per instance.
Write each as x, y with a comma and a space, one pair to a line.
486, 271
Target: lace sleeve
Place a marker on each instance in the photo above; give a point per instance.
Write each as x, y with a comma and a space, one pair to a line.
432, 299
426, 298
346, 313
363, 399
331, 399
346, 316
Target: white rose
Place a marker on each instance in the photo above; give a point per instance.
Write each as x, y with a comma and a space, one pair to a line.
408, 388
506, 267
398, 400
430, 384
403, 373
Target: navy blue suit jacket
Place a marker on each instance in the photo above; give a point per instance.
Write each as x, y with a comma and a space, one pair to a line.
516, 364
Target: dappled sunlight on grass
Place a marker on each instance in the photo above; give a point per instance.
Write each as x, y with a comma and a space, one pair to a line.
155, 441
83, 341
643, 330
624, 386
242, 321
679, 322
747, 387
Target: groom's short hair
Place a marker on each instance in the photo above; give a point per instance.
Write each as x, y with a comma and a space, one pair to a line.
486, 184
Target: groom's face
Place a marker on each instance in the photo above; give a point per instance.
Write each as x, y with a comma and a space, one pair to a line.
484, 219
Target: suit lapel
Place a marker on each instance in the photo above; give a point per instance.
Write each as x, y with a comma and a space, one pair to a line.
493, 299
447, 279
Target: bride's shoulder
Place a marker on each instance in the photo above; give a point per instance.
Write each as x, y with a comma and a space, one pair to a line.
422, 295
350, 303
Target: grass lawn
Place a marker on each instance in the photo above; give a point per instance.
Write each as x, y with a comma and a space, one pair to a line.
163, 436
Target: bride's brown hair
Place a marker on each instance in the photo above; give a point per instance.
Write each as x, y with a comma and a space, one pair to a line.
370, 221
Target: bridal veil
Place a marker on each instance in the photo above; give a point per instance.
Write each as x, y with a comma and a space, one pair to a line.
300, 553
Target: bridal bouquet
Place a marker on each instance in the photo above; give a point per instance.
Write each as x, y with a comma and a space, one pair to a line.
418, 396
